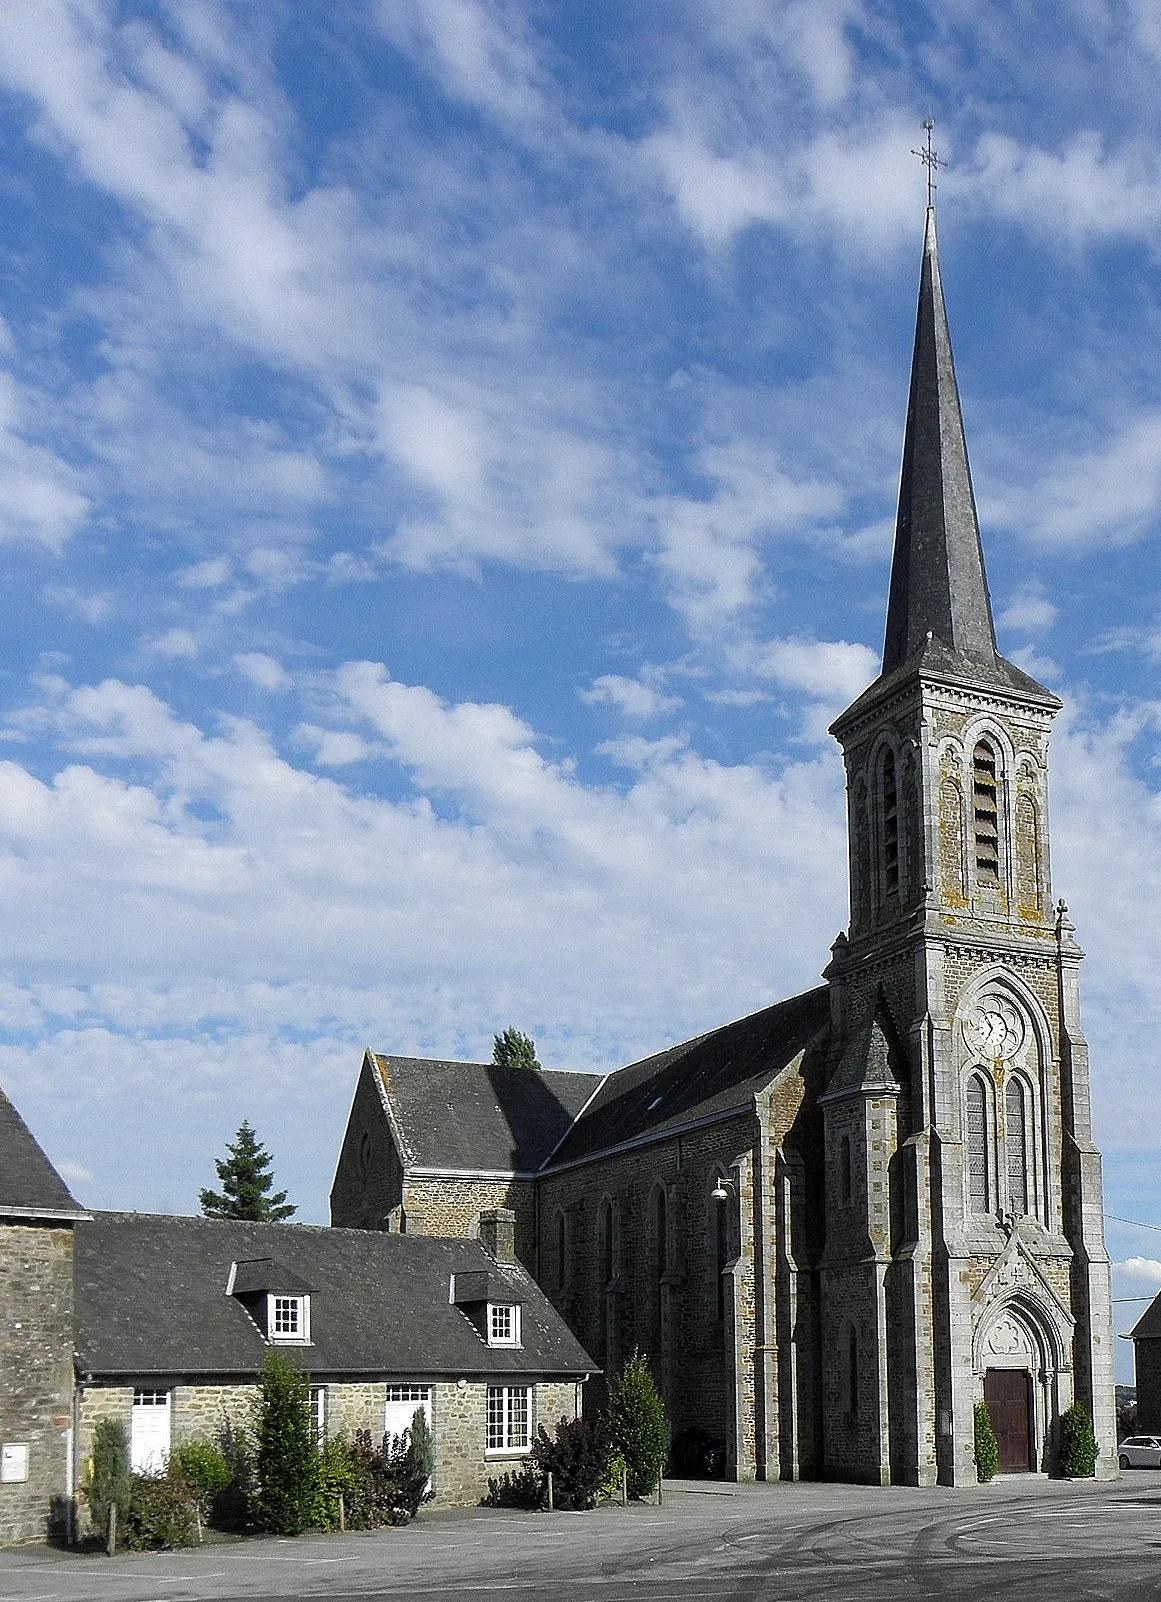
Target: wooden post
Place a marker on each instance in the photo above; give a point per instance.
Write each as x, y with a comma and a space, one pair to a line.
342, 1515
624, 1483
111, 1544
550, 1502
198, 1517
659, 1490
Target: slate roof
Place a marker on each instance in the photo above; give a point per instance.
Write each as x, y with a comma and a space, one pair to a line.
1148, 1326
937, 576
478, 1116
29, 1184
702, 1078
151, 1300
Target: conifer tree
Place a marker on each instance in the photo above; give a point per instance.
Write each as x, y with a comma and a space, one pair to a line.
286, 1458
514, 1050
246, 1180
637, 1425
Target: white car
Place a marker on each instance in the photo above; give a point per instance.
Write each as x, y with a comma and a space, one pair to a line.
1140, 1451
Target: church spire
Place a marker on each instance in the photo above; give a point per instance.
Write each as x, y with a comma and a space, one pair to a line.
938, 585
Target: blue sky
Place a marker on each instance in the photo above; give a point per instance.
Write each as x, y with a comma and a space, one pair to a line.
447, 461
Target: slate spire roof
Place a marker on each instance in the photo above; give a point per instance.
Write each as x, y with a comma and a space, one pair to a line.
937, 576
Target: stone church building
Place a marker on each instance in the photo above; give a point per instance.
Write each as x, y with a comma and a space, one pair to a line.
837, 1225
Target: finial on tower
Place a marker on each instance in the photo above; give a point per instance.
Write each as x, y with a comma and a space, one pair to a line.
930, 160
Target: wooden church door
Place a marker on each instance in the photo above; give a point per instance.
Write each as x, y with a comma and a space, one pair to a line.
1008, 1396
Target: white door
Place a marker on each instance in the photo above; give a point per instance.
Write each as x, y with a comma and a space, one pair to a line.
149, 1434
402, 1401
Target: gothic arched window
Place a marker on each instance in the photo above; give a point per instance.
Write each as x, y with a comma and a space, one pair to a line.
890, 798
985, 792
661, 1226
561, 1249
607, 1254
1016, 1146
719, 1243
977, 1145
852, 1370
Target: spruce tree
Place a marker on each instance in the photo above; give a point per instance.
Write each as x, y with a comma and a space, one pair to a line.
246, 1180
514, 1050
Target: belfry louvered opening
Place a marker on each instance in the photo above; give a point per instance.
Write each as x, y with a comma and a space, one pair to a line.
985, 789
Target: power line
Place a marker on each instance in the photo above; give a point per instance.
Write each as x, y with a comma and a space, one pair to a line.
1136, 1222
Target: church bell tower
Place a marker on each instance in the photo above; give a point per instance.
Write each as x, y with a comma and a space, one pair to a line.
964, 1257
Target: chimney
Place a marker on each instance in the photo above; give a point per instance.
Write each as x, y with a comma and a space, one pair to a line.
498, 1233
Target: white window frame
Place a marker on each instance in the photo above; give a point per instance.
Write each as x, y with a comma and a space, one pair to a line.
507, 1419
318, 1411
300, 1335
503, 1323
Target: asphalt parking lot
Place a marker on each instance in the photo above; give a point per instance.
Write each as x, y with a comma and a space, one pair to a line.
1020, 1538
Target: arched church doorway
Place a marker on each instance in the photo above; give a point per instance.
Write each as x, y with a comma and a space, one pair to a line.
1008, 1397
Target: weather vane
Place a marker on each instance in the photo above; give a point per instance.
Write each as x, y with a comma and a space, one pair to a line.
930, 160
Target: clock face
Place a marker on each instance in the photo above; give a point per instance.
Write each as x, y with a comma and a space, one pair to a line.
995, 1029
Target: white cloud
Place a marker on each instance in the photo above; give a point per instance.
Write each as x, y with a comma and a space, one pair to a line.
262, 670
1147, 1269
827, 670
333, 748
481, 53
1028, 609
709, 548
40, 496
1079, 192
174, 643
93, 608
641, 697
207, 575
1112, 492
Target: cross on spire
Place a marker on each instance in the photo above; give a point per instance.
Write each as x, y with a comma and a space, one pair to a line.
930, 160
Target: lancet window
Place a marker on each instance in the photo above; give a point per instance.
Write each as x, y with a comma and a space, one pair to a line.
979, 1176
890, 798
1016, 1146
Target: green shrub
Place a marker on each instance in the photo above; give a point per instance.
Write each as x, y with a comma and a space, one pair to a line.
231, 1507
577, 1457
161, 1513
335, 1479
285, 1459
109, 1483
1078, 1448
203, 1470
523, 1488
387, 1482
610, 1490
987, 1447
637, 1426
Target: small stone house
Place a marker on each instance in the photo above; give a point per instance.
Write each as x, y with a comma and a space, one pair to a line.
174, 1315
38, 1218
1146, 1339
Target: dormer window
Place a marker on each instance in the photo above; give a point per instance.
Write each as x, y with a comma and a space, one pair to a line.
287, 1317
274, 1296
503, 1324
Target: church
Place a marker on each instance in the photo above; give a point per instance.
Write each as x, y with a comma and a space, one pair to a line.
837, 1225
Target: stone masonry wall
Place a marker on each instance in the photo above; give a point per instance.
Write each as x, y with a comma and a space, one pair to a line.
665, 1302
462, 1467
36, 1349
452, 1207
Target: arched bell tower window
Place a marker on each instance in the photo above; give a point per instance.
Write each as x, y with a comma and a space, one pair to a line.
977, 1145
1016, 1146
890, 795
985, 788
